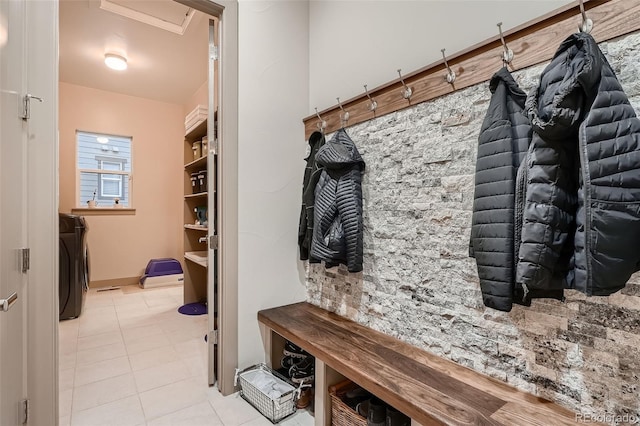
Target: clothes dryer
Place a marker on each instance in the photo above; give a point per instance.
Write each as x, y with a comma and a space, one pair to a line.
74, 265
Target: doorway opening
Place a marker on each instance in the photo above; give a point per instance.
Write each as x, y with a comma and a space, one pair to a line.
163, 216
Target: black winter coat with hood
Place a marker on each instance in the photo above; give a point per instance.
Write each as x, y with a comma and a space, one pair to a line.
581, 217
305, 228
337, 227
495, 235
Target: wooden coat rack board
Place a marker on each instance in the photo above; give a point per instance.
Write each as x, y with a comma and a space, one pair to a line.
532, 43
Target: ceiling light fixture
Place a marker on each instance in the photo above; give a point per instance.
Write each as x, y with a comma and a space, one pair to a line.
115, 62
102, 139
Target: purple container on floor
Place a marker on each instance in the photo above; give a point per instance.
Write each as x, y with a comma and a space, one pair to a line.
162, 272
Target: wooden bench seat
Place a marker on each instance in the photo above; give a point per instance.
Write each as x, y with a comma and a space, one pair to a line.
429, 389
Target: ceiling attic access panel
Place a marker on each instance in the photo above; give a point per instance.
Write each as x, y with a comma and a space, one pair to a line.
164, 14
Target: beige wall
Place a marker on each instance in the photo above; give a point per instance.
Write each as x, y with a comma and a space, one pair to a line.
200, 97
371, 39
273, 70
120, 246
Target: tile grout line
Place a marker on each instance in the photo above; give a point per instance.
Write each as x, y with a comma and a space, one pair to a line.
135, 382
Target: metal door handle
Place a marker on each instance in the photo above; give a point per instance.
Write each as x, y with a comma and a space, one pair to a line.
30, 96
26, 113
5, 304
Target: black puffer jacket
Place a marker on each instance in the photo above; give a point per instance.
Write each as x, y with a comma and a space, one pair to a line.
305, 228
502, 145
582, 211
337, 227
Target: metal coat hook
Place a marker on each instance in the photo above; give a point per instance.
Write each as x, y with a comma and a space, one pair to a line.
507, 54
373, 105
407, 92
345, 116
587, 24
451, 75
322, 124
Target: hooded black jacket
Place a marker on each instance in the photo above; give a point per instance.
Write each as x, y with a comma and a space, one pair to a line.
305, 228
581, 217
495, 235
337, 228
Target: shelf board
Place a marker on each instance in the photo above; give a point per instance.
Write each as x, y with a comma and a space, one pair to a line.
198, 195
202, 161
197, 257
196, 227
197, 132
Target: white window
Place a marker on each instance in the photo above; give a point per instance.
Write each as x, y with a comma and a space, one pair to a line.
111, 185
104, 169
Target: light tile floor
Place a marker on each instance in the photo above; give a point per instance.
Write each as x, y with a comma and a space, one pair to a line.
132, 359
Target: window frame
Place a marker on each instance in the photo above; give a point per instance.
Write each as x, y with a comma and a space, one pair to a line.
102, 177
105, 158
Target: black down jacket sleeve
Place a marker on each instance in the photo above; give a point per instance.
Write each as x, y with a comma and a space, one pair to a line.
349, 203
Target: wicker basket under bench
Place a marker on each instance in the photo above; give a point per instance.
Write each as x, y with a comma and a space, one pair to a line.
341, 413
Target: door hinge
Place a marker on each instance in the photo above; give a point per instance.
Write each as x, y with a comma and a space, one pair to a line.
26, 259
213, 52
213, 242
24, 411
213, 337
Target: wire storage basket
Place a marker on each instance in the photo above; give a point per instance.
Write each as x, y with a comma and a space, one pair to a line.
270, 393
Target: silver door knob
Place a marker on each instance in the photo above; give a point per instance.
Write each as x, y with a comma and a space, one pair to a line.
5, 304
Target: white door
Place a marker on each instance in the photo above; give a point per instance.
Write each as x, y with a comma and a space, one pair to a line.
13, 214
212, 271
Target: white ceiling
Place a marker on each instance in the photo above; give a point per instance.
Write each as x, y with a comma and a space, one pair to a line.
163, 65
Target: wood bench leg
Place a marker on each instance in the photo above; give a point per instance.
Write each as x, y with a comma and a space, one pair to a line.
266, 334
273, 346
325, 377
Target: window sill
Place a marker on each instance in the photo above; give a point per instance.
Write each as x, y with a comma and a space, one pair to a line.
104, 211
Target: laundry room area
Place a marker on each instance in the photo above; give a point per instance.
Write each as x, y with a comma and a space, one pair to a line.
130, 122
137, 176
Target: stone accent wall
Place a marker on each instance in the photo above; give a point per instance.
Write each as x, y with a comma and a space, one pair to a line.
420, 286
